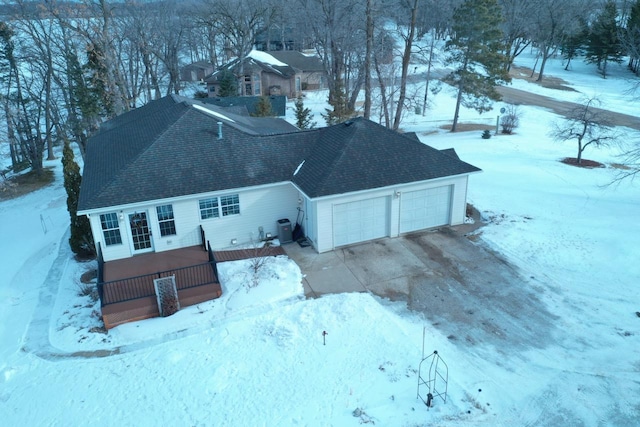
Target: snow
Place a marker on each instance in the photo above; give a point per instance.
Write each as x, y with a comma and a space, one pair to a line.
256, 356
265, 58
298, 168
211, 112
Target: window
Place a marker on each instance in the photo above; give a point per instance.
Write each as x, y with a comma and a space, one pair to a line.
110, 229
298, 86
230, 205
212, 89
209, 208
256, 84
216, 207
165, 220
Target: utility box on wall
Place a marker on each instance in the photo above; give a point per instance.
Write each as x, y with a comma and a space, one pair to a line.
285, 233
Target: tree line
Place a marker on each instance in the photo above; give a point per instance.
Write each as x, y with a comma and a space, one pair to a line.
67, 66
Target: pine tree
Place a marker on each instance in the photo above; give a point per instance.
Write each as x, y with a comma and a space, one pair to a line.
303, 116
603, 44
228, 84
263, 108
573, 44
476, 50
81, 240
97, 80
632, 37
338, 100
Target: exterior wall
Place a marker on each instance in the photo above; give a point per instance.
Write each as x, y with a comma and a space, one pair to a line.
260, 207
322, 210
263, 207
313, 81
310, 221
287, 86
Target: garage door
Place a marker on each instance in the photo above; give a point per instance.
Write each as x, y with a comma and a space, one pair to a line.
360, 221
425, 208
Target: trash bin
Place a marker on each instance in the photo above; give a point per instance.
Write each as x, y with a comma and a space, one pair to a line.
284, 231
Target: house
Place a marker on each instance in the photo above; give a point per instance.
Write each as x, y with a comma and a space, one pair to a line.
310, 68
260, 73
196, 72
176, 176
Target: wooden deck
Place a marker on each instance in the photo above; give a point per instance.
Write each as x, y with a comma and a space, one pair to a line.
235, 255
116, 312
153, 262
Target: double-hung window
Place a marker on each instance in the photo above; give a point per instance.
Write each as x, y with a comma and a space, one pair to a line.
165, 220
215, 207
230, 205
110, 229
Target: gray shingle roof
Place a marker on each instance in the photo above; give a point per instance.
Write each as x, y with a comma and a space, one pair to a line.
170, 148
298, 60
360, 155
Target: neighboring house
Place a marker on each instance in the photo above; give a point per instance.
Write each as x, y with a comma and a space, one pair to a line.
312, 73
249, 103
260, 73
179, 174
196, 71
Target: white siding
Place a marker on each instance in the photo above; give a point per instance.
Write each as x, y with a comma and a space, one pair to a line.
258, 208
323, 209
264, 207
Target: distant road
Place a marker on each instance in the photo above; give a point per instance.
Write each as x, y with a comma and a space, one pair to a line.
521, 97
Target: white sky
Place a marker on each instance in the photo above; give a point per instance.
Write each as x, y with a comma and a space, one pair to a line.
256, 357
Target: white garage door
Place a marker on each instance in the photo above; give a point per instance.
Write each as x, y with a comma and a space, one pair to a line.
425, 208
360, 221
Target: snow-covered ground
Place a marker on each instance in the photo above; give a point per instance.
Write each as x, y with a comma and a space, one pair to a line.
245, 360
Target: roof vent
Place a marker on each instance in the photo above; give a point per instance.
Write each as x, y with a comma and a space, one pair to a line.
219, 130
348, 123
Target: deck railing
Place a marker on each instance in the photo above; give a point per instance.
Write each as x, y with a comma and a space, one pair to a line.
142, 286
212, 259
100, 269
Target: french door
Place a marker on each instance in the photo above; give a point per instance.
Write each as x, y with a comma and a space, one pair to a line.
140, 232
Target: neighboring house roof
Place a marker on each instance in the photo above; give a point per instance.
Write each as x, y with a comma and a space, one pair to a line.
360, 155
255, 61
198, 65
299, 61
278, 103
171, 148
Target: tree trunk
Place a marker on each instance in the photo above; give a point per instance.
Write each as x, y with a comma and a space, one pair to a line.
367, 62
457, 112
426, 88
383, 94
406, 57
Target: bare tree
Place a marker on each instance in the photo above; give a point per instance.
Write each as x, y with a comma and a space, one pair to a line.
338, 34
630, 165
99, 34
515, 25
552, 21
587, 125
408, 38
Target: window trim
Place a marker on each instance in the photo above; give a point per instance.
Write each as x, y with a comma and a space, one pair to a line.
169, 221
220, 206
110, 225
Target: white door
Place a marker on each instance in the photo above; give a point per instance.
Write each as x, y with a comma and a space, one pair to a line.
426, 208
360, 221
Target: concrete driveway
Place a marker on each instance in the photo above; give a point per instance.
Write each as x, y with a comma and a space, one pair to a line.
470, 293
